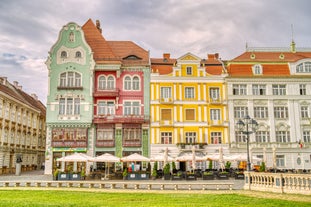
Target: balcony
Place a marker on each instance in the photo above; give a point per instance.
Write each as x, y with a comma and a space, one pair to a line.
112, 92
105, 143
166, 122
140, 119
166, 100
69, 88
131, 143
216, 101
69, 143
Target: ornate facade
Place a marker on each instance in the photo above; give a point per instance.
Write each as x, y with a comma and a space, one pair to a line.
22, 128
188, 104
272, 85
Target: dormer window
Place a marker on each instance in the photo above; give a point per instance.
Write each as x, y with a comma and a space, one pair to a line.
304, 67
71, 37
257, 69
63, 54
189, 70
78, 54
132, 57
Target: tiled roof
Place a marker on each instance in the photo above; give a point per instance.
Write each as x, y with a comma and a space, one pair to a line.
271, 56
214, 69
267, 69
97, 42
114, 52
19, 95
124, 49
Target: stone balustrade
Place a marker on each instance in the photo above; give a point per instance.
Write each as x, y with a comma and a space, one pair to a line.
278, 182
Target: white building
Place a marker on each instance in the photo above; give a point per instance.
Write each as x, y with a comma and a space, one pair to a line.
272, 86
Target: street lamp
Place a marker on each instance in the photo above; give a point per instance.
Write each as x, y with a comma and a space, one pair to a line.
247, 126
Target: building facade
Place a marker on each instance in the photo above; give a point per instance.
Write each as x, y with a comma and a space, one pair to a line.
22, 128
98, 98
121, 94
70, 96
272, 85
188, 105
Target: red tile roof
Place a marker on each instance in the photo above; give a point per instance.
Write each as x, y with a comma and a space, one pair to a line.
267, 69
19, 95
113, 51
272, 56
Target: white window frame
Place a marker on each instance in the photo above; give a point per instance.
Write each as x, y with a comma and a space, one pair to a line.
215, 114
259, 89
279, 89
166, 137
189, 92
302, 89
280, 112
166, 92
131, 107
216, 137
239, 89
262, 136
69, 106
189, 70
260, 112
191, 137
240, 112
70, 79
214, 93
304, 112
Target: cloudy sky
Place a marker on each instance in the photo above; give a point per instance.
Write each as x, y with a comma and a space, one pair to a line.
28, 29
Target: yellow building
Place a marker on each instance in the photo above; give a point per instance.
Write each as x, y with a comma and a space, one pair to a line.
187, 105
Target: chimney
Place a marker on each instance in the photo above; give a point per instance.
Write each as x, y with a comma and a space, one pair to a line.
166, 56
98, 26
216, 56
15, 83
3, 80
34, 96
210, 56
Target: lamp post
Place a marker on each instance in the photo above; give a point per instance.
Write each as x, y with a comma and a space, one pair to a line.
247, 126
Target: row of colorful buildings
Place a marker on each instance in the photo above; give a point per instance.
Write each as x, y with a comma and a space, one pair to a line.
111, 96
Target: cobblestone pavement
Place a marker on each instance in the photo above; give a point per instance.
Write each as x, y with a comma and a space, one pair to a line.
38, 175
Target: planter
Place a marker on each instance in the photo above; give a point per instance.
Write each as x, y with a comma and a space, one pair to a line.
191, 177
239, 176
75, 176
134, 176
176, 177
167, 176
63, 176
223, 176
208, 177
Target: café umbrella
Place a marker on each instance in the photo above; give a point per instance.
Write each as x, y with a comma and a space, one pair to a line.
106, 158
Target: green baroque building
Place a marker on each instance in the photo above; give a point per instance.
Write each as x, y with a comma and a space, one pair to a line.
69, 101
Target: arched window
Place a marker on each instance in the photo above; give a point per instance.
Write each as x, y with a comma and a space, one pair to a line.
102, 82
135, 83
78, 54
63, 54
127, 83
110, 82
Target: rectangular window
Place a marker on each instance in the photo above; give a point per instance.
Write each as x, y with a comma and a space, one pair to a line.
259, 89
260, 112
280, 160
239, 89
215, 114
302, 89
77, 106
281, 112
69, 108
166, 137
105, 134
131, 108
189, 70
166, 114
304, 111
70, 79
279, 89
62, 106
190, 114
240, 112
214, 93
166, 92
240, 137
262, 136
190, 137
189, 92
306, 136
132, 133
215, 137
282, 136
101, 108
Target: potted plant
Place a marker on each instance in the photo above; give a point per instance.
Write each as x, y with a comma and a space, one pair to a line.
223, 175
166, 171
191, 176
177, 176
83, 174
154, 173
262, 167
124, 174
55, 174
208, 175
239, 175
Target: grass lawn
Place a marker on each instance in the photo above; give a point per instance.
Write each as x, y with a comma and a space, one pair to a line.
66, 198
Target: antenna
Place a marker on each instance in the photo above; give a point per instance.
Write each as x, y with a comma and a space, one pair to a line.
292, 28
